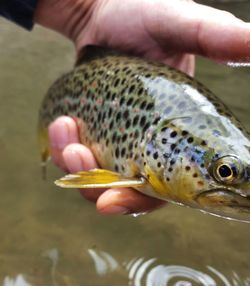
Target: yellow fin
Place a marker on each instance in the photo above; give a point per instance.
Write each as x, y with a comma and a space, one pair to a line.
98, 178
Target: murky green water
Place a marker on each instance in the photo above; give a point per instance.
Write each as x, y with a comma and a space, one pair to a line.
54, 237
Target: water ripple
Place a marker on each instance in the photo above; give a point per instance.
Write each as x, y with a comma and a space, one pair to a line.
142, 272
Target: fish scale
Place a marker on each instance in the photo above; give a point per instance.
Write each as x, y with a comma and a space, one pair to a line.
151, 123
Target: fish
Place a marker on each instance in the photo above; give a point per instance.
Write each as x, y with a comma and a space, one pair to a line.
152, 128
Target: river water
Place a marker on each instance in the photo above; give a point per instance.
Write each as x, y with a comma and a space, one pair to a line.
54, 237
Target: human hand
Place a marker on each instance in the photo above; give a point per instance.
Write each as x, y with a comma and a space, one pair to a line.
69, 155
164, 30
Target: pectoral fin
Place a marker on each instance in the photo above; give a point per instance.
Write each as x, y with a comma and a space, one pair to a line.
98, 178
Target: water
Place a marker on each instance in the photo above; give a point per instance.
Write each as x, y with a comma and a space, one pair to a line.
54, 237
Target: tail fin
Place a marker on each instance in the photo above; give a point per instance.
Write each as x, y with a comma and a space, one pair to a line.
44, 148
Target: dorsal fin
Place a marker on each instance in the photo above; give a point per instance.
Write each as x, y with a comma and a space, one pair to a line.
92, 52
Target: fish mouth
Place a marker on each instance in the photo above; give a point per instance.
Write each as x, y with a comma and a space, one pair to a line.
224, 198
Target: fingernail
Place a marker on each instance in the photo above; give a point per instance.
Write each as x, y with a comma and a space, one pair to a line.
73, 161
59, 136
114, 210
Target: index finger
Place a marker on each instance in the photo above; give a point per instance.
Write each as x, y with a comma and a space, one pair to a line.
186, 26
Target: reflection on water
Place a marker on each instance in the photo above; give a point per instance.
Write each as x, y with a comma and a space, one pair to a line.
18, 281
104, 262
53, 255
151, 273
52, 237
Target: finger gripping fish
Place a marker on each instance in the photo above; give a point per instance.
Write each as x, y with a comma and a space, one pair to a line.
155, 129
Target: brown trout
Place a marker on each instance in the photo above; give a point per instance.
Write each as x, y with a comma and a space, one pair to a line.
155, 129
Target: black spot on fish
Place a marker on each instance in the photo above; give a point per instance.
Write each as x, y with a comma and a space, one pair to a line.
131, 89
164, 141
136, 135
143, 120
135, 120
143, 104
123, 81
128, 123
118, 116
108, 95
124, 137
118, 139
130, 101
111, 124
173, 146
122, 100
114, 137
156, 120
117, 81
155, 155
203, 143
184, 133
130, 146
105, 133
117, 152
113, 96
177, 151
140, 91
145, 128
150, 106
172, 162
193, 159
126, 114
190, 140
123, 152
173, 134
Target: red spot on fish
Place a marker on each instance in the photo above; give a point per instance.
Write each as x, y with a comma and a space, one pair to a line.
99, 101
156, 114
66, 101
115, 103
136, 110
83, 101
122, 129
94, 84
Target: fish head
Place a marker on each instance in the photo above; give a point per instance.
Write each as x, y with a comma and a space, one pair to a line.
228, 186
211, 175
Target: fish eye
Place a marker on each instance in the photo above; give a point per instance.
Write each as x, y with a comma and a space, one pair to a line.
227, 170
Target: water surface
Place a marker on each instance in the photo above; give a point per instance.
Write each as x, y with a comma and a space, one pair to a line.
54, 237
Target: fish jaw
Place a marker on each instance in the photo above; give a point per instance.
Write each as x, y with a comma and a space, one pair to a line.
226, 203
